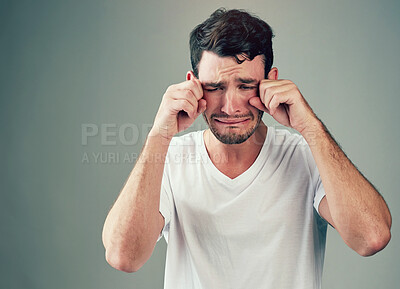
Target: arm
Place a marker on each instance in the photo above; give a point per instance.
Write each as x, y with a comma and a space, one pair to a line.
352, 205
134, 222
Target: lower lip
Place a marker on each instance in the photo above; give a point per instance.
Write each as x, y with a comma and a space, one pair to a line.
233, 123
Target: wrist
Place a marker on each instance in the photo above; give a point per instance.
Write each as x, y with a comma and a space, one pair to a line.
159, 136
313, 130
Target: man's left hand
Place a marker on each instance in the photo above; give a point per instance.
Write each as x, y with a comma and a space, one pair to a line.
284, 102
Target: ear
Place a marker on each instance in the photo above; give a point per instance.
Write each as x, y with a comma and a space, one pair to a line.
273, 73
189, 75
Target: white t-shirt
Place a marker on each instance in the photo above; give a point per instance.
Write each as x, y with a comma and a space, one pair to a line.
258, 230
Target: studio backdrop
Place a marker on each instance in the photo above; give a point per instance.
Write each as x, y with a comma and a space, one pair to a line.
81, 82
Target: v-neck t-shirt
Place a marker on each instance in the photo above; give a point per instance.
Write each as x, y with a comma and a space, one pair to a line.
260, 229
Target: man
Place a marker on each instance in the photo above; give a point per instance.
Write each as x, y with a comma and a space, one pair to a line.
241, 205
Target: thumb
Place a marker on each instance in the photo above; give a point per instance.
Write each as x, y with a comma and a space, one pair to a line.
256, 102
202, 105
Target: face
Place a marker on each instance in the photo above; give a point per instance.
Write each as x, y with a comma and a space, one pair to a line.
227, 88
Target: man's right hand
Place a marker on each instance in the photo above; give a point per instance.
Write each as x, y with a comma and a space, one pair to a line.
182, 103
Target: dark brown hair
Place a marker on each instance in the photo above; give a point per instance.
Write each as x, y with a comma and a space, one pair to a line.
232, 33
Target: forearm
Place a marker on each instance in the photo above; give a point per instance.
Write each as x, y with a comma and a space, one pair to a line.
132, 225
358, 211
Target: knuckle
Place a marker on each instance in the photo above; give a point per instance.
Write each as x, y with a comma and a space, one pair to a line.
188, 93
186, 104
268, 90
170, 88
193, 85
290, 83
165, 95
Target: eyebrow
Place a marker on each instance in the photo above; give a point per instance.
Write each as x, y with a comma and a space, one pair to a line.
239, 79
247, 80
214, 84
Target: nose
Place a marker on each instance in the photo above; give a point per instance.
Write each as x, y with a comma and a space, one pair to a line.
231, 102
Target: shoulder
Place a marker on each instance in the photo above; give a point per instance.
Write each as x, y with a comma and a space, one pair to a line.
187, 139
287, 137
292, 144
189, 143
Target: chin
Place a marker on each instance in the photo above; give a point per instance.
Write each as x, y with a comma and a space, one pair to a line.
233, 134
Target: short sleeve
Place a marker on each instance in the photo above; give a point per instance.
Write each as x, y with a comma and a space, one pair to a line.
165, 203
319, 193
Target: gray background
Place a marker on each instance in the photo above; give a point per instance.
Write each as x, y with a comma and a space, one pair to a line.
64, 64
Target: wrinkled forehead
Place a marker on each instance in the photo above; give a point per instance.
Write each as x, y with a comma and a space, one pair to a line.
213, 68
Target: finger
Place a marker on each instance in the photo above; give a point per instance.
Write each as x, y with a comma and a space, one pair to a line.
190, 85
186, 106
202, 106
273, 82
267, 92
188, 95
192, 79
257, 103
277, 99
198, 85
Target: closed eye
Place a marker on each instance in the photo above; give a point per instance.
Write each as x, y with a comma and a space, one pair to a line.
245, 87
212, 89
